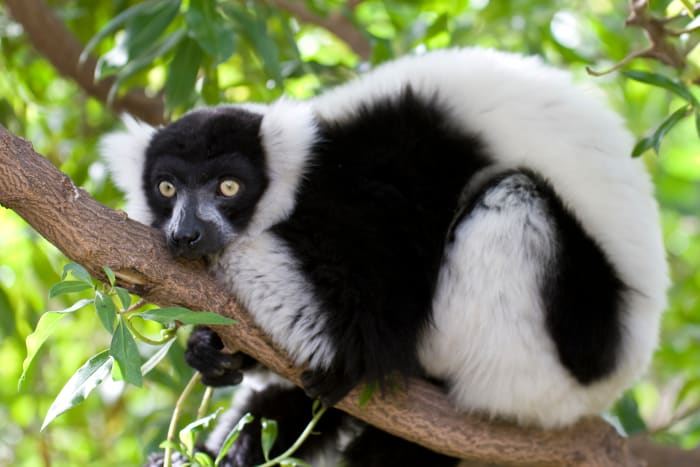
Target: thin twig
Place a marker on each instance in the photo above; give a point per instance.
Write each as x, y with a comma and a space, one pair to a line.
677, 417
620, 64
167, 461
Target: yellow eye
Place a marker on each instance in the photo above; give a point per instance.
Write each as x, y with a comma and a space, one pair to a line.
166, 189
229, 187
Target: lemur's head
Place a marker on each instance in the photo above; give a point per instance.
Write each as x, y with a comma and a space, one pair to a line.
213, 174
202, 178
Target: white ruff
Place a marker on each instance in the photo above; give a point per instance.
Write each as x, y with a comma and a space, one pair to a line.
125, 153
264, 275
288, 131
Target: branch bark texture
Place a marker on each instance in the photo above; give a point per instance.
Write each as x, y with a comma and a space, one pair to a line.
94, 235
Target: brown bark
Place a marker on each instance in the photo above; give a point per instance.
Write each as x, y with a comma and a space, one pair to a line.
50, 37
94, 235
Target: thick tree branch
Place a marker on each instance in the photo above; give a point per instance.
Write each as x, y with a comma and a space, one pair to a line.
50, 37
94, 235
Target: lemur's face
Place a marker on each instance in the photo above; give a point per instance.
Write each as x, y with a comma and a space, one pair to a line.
203, 177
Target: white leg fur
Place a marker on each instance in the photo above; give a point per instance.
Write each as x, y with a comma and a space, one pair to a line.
125, 153
488, 339
262, 273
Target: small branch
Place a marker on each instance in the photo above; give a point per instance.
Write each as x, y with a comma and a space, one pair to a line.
659, 48
620, 64
167, 459
675, 418
50, 37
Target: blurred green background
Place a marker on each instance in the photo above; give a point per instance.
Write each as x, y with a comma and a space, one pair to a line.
201, 52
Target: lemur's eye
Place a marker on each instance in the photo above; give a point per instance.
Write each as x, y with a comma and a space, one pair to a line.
166, 189
229, 187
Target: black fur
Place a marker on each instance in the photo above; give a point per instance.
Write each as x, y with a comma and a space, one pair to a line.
204, 354
582, 296
369, 228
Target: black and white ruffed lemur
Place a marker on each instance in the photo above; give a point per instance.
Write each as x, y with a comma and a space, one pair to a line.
466, 215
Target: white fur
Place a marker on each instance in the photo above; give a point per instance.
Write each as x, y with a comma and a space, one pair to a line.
265, 277
125, 153
287, 131
488, 337
530, 115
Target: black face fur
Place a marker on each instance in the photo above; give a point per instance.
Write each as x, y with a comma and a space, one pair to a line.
195, 154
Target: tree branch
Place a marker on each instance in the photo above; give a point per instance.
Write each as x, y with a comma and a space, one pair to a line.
94, 235
50, 37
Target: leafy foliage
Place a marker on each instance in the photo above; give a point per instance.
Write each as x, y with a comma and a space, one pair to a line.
211, 51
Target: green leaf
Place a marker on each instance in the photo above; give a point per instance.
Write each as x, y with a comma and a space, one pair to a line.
654, 141
104, 307
124, 297
76, 306
666, 126
254, 29
689, 7
627, 411
126, 354
232, 437
183, 315
203, 459
156, 357
268, 436
110, 275
439, 26
116, 23
697, 122
78, 272
662, 81
293, 462
65, 287
144, 60
366, 394
187, 434
381, 51
44, 328
79, 386
206, 26
182, 73
172, 445
642, 146
144, 28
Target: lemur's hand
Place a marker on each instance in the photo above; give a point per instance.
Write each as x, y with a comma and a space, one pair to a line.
204, 354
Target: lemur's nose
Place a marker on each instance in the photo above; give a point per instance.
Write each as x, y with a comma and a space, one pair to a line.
187, 237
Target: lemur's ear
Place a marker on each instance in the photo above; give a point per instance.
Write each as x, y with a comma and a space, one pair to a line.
125, 154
